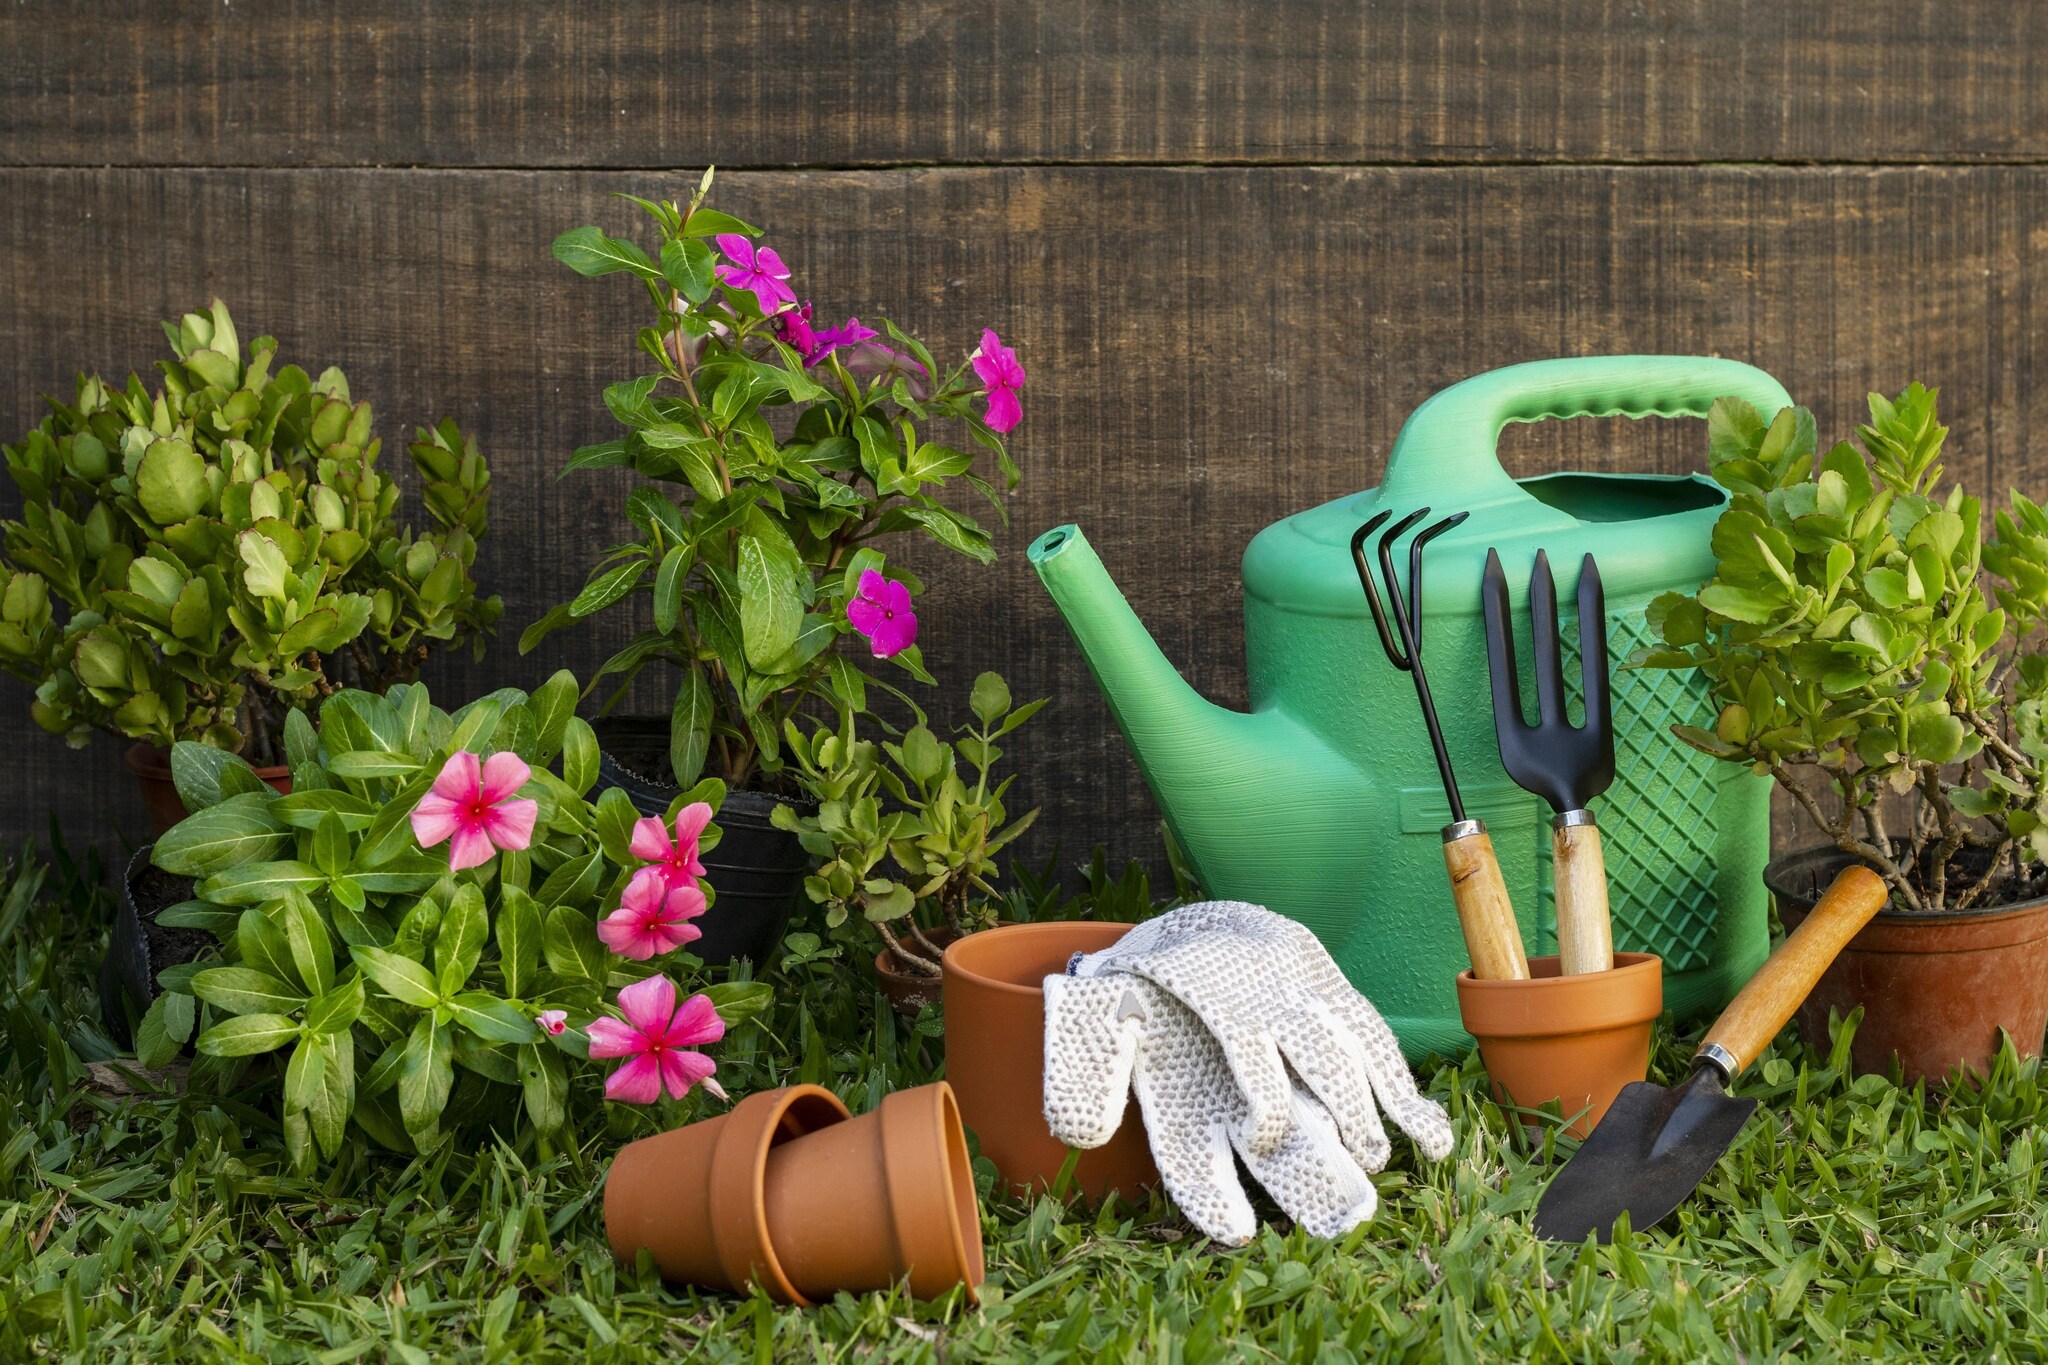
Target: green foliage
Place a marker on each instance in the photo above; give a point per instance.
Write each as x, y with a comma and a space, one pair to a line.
1853, 630
907, 823
398, 997
223, 548
770, 484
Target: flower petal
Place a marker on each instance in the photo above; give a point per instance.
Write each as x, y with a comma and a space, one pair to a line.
459, 777
865, 616
503, 774
625, 933
894, 635
646, 892
434, 819
1004, 411
650, 840
681, 1070
769, 262
695, 1022
509, 824
470, 847
610, 1038
872, 585
735, 248
685, 902
637, 1082
649, 1005
895, 596
553, 1022
690, 822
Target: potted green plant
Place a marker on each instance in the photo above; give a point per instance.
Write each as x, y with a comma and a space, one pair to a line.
436, 928
196, 560
1875, 647
906, 833
777, 458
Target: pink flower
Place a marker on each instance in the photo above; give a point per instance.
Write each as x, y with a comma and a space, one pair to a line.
1000, 371
756, 269
554, 1023
473, 806
794, 326
674, 863
652, 919
658, 1036
881, 611
853, 333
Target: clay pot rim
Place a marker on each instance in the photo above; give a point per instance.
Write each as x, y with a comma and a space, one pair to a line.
151, 760
1829, 856
1627, 995
739, 1171
938, 1113
955, 961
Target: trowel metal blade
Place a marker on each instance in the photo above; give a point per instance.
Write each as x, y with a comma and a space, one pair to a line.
1652, 1149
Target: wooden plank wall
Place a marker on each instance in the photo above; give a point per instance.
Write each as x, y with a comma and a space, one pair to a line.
1235, 245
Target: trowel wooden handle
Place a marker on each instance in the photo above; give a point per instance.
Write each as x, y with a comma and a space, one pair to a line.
1756, 1014
1484, 912
1585, 937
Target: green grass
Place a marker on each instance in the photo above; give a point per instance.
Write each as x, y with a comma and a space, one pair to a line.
1852, 1217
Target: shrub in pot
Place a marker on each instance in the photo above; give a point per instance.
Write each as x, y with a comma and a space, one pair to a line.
196, 560
437, 927
906, 833
1880, 655
778, 457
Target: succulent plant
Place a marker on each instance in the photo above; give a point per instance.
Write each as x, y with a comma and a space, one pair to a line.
194, 561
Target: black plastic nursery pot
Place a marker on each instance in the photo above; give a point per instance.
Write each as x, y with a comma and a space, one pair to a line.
138, 947
757, 870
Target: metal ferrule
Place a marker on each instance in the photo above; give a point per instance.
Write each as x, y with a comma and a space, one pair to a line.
1720, 1058
1566, 819
1463, 829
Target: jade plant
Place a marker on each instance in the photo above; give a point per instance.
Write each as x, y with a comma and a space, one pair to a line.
195, 560
1871, 648
435, 929
907, 831
778, 457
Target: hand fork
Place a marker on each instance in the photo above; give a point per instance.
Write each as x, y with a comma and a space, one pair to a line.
1565, 764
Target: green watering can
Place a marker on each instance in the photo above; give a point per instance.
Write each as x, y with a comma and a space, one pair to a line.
1323, 803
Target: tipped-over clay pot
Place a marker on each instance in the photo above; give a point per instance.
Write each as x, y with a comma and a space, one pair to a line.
995, 1057
1573, 1039
787, 1191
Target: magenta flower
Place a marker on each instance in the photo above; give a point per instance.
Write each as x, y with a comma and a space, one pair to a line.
554, 1023
755, 269
881, 611
658, 1036
853, 333
652, 918
1003, 375
673, 862
794, 326
473, 805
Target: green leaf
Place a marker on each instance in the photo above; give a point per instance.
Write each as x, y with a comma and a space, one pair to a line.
397, 976
331, 851
519, 941
690, 267
552, 704
1739, 604
305, 933
491, 1019
616, 816
771, 611
990, 699
668, 586
245, 990
572, 947
369, 764
424, 1079
579, 756
154, 1045
544, 1081
391, 831
268, 571
574, 881
333, 1099
258, 882
235, 832
739, 1001
247, 1035
588, 251
689, 733
712, 223
337, 1009
197, 769
170, 482
459, 944
607, 587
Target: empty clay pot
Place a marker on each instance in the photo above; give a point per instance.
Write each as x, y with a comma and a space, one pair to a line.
1936, 990
152, 769
787, 1191
995, 1057
1573, 1039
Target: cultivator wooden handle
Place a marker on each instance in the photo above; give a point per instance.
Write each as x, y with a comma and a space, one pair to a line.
1585, 937
1484, 911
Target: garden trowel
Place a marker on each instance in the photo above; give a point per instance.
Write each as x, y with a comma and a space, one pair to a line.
1657, 1143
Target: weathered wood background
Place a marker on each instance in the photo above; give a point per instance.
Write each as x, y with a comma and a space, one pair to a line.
1234, 244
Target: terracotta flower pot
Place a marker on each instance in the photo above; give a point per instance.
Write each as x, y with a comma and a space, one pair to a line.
1936, 989
152, 768
995, 1057
906, 991
787, 1191
1573, 1039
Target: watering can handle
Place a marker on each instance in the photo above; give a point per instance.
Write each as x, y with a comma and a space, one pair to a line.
1448, 446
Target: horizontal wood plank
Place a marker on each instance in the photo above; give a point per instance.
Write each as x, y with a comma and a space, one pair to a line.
777, 83
1208, 351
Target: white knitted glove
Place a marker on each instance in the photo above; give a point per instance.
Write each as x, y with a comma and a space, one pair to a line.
1109, 1035
1265, 986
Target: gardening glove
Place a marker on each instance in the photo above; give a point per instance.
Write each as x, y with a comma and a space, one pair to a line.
1284, 1016
1108, 1035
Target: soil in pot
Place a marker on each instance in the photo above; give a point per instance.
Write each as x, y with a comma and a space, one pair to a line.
908, 991
1573, 1040
152, 768
757, 870
138, 947
1936, 989
995, 1057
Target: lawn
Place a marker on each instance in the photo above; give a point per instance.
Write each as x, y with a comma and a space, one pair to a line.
138, 1223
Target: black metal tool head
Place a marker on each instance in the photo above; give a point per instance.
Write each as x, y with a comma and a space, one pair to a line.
1402, 640
1567, 765
1651, 1150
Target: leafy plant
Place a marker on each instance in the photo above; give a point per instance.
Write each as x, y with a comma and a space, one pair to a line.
1865, 640
906, 824
778, 457
400, 996
223, 549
